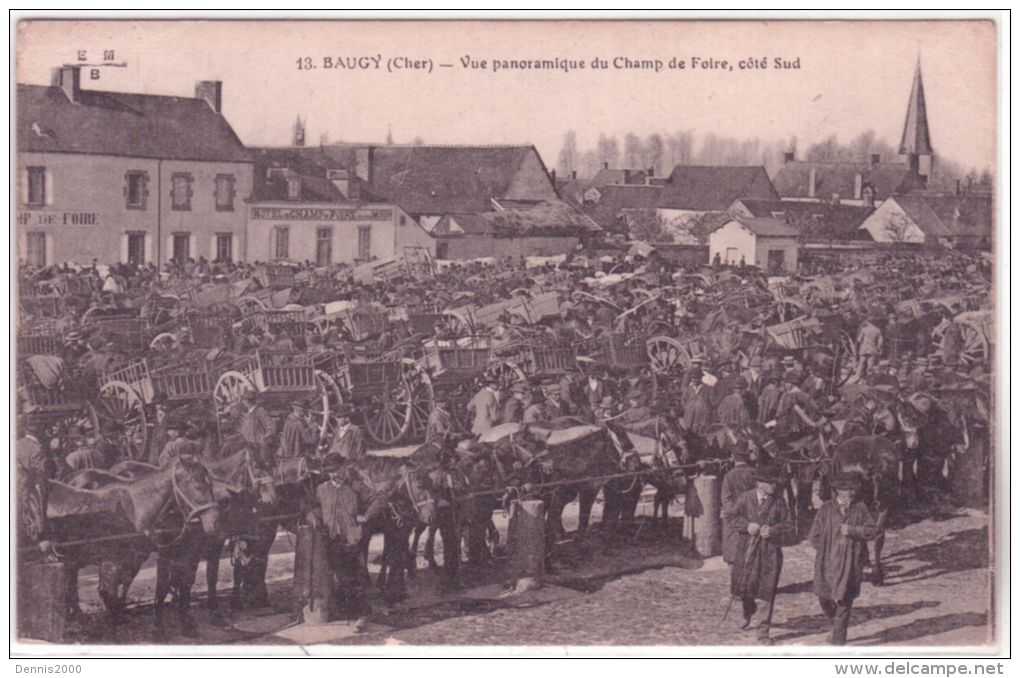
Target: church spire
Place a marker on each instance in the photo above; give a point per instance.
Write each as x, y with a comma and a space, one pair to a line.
916, 140
298, 138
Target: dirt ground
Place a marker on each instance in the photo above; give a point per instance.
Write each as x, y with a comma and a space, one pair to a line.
646, 588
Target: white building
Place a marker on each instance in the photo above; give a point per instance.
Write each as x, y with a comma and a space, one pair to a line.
769, 244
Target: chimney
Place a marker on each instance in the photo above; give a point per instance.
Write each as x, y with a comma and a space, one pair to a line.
573, 174
605, 165
650, 172
788, 156
957, 187
364, 161
68, 79
626, 176
875, 159
811, 181
858, 185
212, 92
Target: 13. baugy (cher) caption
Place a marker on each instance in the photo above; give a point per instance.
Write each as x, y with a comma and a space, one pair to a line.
468, 62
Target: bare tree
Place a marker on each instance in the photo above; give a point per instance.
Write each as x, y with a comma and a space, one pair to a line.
609, 150
655, 151
647, 225
898, 228
567, 160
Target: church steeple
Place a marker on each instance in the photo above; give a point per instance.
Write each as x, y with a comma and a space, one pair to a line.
299, 132
916, 139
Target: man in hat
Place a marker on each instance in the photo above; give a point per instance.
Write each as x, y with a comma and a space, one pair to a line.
735, 483
440, 422
768, 401
840, 533
513, 409
339, 514
182, 443
535, 411
160, 436
760, 522
254, 423
636, 411
869, 347
796, 410
755, 378
593, 391
697, 403
605, 410
348, 439
733, 408
484, 407
297, 434
74, 347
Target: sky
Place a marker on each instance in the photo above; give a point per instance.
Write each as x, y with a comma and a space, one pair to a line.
852, 76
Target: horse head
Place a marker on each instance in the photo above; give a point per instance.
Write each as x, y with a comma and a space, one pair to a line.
259, 478
193, 494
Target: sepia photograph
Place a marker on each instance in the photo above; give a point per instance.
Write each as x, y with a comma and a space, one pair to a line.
339, 336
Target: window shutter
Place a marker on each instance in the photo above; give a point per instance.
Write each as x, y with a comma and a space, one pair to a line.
49, 186
24, 187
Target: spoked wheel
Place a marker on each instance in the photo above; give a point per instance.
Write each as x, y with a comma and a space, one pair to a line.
507, 373
164, 341
250, 305
969, 346
456, 324
328, 400
119, 416
58, 436
387, 415
226, 394
421, 397
667, 355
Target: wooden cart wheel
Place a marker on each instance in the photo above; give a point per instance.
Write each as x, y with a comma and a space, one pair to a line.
57, 435
506, 373
164, 341
226, 394
387, 416
421, 397
324, 411
455, 323
119, 416
250, 305
322, 326
667, 355
973, 348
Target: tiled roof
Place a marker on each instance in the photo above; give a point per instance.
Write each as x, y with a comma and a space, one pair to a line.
709, 188
762, 226
134, 125
885, 179
809, 217
949, 216
551, 218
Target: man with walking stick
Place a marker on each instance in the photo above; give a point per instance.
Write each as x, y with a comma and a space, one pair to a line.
761, 524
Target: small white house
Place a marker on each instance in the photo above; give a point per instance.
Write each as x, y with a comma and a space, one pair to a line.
769, 244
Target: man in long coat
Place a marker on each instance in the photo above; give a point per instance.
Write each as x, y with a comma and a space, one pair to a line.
348, 439
840, 536
697, 404
254, 423
484, 408
733, 408
734, 484
297, 434
760, 522
440, 423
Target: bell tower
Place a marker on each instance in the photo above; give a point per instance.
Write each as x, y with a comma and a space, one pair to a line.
299, 132
916, 141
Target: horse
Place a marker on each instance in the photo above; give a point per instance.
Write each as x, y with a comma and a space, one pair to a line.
182, 490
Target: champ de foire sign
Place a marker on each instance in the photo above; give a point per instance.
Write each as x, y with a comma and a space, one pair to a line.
319, 214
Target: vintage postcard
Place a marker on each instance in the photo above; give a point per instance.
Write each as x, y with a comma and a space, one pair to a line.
339, 335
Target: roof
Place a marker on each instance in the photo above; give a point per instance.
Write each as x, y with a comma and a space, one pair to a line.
614, 199
885, 179
810, 217
916, 138
617, 176
442, 179
766, 227
307, 164
133, 125
707, 188
949, 216
550, 218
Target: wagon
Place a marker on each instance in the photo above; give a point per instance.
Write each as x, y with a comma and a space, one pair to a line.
472, 319
453, 367
966, 339
55, 412
626, 352
360, 321
280, 377
275, 276
41, 338
132, 333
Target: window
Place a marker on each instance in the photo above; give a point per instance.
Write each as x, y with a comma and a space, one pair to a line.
181, 248
136, 248
354, 190
323, 246
180, 191
224, 247
36, 185
36, 246
136, 189
364, 242
281, 242
293, 188
224, 192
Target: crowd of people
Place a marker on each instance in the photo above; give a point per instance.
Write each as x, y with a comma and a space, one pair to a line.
731, 377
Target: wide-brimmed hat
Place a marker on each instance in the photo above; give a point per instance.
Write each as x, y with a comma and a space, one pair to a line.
789, 360
740, 383
767, 474
846, 481
332, 462
607, 401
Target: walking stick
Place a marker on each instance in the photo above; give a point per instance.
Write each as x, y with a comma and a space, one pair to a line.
743, 573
